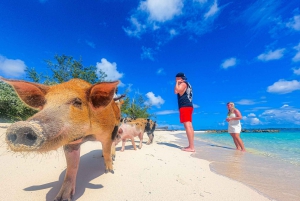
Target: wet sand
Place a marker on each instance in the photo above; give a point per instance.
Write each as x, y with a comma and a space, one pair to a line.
160, 171
275, 179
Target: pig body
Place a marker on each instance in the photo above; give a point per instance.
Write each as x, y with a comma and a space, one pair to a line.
145, 125
129, 131
70, 114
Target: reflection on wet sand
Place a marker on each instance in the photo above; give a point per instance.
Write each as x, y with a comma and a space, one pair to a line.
275, 179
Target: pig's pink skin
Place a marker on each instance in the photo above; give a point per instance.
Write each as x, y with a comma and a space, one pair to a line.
129, 131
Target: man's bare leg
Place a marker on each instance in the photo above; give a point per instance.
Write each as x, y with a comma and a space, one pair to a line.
190, 135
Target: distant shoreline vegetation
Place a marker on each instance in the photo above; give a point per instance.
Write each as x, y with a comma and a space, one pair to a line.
246, 131
250, 130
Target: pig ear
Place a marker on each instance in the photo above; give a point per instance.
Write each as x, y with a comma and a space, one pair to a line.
101, 94
32, 94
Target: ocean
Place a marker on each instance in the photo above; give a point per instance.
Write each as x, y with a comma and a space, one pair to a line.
270, 165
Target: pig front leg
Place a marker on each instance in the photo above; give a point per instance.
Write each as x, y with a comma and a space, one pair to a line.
123, 144
151, 136
106, 151
141, 140
67, 190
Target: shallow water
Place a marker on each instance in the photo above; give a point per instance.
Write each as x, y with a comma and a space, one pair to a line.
270, 165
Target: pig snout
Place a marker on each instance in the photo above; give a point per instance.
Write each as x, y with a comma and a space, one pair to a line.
24, 136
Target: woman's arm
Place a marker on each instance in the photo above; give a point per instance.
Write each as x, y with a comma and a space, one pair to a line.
238, 115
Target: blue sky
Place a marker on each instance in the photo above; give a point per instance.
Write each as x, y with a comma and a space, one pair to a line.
246, 51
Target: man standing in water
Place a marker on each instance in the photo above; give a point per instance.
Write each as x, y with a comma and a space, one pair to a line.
184, 96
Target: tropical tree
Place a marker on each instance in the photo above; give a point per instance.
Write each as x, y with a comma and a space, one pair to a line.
135, 108
65, 68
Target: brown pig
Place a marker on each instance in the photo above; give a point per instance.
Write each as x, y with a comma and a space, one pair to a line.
70, 114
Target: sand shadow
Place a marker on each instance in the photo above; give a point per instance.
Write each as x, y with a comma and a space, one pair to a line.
224, 147
91, 166
170, 145
129, 147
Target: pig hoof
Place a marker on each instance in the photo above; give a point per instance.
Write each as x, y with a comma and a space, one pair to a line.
111, 171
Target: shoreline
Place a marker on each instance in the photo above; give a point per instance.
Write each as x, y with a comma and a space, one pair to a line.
271, 177
160, 171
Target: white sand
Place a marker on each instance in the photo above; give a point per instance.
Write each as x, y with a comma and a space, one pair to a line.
160, 171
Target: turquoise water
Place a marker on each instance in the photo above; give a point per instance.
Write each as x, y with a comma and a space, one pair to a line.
284, 145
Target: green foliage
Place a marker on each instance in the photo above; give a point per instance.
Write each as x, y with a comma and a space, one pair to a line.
11, 107
65, 68
135, 108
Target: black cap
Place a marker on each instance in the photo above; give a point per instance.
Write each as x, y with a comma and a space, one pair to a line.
180, 75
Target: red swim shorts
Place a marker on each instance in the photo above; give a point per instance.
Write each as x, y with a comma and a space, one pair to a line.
185, 114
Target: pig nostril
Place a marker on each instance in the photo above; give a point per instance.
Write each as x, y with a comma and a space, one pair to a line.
30, 136
12, 138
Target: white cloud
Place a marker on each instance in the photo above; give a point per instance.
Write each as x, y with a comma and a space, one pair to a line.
296, 71
296, 58
160, 71
110, 70
251, 115
173, 32
283, 115
261, 13
229, 63
154, 100
161, 11
11, 67
222, 123
196, 106
169, 18
283, 86
294, 23
272, 55
147, 53
165, 112
245, 102
137, 28
256, 109
251, 120
91, 44
200, 1
212, 11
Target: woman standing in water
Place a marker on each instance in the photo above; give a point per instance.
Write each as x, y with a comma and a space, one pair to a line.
234, 125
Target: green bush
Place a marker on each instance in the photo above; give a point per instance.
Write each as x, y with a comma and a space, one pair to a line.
11, 107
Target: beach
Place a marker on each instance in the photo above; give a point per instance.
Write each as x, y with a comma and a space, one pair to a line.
160, 171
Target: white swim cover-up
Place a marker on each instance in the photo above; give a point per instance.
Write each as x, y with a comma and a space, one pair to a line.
234, 126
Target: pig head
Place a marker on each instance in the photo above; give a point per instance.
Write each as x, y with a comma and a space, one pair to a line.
69, 114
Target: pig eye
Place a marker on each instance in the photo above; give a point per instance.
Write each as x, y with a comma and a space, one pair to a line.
77, 102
